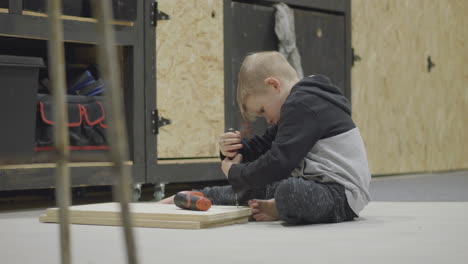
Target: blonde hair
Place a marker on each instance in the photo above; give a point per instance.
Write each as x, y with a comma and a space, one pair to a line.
255, 68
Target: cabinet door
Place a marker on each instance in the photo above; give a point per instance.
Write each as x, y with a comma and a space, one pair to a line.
320, 39
410, 87
252, 31
190, 78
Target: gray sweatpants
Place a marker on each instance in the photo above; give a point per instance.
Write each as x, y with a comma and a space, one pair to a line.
298, 200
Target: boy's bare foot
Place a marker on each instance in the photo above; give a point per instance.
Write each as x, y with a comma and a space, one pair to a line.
264, 210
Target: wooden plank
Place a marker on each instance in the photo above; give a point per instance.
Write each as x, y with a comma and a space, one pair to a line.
146, 222
76, 31
153, 211
411, 120
329, 5
39, 178
178, 172
189, 161
82, 19
15, 7
190, 78
39, 38
52, 165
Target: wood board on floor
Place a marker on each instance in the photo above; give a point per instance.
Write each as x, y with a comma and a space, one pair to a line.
153, 215
156, 211
145, 222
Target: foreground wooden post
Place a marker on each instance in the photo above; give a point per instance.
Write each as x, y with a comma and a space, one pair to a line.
60, 115
117, 134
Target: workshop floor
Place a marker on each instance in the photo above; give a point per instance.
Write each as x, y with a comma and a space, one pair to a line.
413, 219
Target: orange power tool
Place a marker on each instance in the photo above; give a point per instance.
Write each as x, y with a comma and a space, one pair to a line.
192, 201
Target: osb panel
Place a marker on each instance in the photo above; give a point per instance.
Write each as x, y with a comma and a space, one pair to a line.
411, 120
190, 77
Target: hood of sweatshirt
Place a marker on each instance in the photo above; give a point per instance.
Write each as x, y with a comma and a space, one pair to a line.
321, 86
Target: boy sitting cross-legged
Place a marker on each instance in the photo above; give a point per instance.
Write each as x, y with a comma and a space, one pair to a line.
310, 166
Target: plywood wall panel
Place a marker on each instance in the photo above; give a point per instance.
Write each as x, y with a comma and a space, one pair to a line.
190, 77
411, 120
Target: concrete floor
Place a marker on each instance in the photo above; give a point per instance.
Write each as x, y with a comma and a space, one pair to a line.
413, 219
447, 187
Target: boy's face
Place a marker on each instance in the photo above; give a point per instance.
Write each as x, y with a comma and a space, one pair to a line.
267, 105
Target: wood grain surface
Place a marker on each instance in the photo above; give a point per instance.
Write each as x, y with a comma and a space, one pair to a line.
146, 222
411, 119
153, 211
190, 78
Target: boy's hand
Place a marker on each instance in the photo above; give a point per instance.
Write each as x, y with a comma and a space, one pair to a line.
229, 143
227, 163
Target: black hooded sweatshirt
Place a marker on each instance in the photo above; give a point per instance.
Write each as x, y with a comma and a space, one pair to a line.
315, 110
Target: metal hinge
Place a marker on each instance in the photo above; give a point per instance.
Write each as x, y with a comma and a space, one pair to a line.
354, 57
158, 121
157, 14
430, 64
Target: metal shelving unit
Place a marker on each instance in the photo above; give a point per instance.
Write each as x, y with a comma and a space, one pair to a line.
130, 35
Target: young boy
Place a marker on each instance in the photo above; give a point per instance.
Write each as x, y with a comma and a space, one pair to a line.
310, 166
